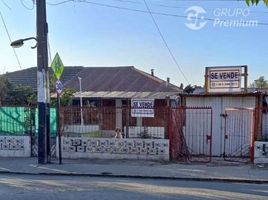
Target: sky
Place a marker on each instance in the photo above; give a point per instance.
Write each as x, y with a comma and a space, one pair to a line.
123, 33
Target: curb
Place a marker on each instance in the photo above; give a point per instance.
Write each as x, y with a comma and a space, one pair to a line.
110, 175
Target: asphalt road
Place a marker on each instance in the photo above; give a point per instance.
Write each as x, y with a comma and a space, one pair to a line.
25, 187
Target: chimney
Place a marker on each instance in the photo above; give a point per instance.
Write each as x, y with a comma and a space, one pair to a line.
168, 81
152, 72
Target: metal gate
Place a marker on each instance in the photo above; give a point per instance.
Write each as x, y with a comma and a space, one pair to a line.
238, 134
52, 132
190, 133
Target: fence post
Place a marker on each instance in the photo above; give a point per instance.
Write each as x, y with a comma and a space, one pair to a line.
127, 119
165, 116
58, 128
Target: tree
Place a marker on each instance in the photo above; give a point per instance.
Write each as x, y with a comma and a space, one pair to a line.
65, 99
11, 94
259, 83
255, 2
188, 89
67, 93
4, 85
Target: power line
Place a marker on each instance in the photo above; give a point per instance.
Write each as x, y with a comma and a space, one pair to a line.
153, 12
6, 4
15, 53
59, 3
129, 1
141, 11
165, 42
25, 6
211, 9
180, 7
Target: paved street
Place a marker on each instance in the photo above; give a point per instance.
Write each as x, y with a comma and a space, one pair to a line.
32, 187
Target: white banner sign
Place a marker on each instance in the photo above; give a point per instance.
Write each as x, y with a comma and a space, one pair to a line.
224, 79
142, 108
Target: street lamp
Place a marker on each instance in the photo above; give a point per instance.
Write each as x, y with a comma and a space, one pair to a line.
20, 42
81, 102
42, 81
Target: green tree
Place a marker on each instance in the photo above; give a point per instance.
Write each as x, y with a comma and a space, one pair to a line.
255, 2
260, 83
11, 94
67, 94
188, 89
4, 85
65, 99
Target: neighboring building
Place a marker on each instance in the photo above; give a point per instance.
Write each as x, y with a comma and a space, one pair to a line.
231, 114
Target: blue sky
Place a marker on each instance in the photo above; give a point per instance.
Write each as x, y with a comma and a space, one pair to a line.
93, 35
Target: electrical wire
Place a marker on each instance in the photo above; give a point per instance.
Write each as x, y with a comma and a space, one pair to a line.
7, 32
142, 11
176, 7
25, 6
128, 1
165, 42
6, 4
59, 3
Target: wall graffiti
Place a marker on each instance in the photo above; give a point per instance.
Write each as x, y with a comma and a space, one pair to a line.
15, 146
12, 143
146, 147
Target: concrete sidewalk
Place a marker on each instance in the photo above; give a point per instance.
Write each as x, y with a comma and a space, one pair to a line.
217, 171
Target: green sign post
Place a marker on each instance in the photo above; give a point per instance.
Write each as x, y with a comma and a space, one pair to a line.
58, 68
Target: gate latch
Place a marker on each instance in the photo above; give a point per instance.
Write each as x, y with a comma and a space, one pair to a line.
223, 115
208, 138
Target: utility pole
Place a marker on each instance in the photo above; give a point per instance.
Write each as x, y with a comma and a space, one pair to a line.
42, 83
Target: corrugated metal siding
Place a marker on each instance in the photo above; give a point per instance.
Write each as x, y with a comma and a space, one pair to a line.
265, 122
129, 95
219, 104
239, 102
217, 124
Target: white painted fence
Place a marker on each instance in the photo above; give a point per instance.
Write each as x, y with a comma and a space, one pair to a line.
110, 148
80, 128
139, 131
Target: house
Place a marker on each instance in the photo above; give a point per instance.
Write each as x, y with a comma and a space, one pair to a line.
102, 83
106, 94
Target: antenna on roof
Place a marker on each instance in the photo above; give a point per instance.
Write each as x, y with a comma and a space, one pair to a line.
152, 72
168, 81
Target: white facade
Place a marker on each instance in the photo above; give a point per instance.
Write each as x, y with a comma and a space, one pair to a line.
219, 104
